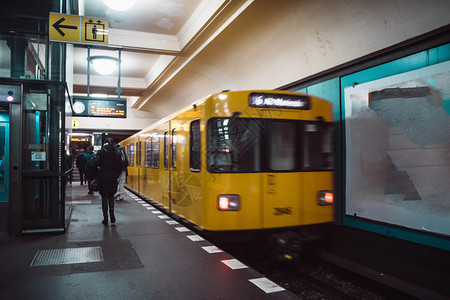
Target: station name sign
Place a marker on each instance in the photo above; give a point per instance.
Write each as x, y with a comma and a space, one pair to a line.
99, 107
269, 100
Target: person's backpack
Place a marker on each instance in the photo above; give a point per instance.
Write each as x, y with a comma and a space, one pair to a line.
91, 162
123, 158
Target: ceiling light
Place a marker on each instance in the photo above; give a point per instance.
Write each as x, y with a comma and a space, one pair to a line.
120, 5
104, 65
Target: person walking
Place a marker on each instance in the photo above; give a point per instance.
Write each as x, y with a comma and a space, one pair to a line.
90, 167
79, 164
110, 168
123, 173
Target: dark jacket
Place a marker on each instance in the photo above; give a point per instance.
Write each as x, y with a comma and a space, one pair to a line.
110, 168
79, 161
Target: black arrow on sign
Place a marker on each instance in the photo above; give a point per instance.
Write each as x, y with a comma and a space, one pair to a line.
58, 25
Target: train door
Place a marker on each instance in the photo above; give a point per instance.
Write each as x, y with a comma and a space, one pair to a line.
282, 187
4, 170
172, 165
141, 172
165, 179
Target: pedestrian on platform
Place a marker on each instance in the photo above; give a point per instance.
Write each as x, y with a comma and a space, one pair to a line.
110, 168
79, 164
123, 173
90, 167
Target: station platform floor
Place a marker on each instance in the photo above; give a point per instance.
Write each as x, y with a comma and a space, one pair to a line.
145, 255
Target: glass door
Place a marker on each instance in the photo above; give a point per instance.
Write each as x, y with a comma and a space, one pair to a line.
4, 170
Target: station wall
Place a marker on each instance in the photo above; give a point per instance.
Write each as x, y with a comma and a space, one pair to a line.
273, 43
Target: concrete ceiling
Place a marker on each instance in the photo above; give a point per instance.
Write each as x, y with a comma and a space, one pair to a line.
156, 38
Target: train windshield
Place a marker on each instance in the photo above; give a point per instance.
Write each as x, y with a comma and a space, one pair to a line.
242, 145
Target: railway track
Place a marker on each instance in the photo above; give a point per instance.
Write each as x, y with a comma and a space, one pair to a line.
308, 277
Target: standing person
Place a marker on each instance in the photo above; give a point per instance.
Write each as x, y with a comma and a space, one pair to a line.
123, 173
79, 164
90, 166
110, 169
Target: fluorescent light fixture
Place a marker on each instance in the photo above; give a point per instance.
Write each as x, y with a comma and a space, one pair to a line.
104, 65
120, 5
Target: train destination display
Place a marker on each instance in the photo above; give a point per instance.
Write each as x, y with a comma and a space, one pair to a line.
113, 108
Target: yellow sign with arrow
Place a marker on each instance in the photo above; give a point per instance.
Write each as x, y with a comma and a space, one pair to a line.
78, 29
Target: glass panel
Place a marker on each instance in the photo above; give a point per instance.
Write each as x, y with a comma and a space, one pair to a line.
30, 55
148, 153
166, 151
282, 154
317, 146
234, 145
4, 148
195, 146
398, 146
4, 174
174, 150
36, 139
139, 154
130, 154
155, 151
40, 201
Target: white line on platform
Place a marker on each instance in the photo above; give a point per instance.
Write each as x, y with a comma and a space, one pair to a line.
234, 264
266, 285
195, 238
182, 229
212, 249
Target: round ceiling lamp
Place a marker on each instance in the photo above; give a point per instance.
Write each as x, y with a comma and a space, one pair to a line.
104, 65
120, 5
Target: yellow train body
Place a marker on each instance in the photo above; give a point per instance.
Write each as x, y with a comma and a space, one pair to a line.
210, 163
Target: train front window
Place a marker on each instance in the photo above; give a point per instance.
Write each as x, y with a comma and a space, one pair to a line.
282, 146
234, 145
317, 146
240, 145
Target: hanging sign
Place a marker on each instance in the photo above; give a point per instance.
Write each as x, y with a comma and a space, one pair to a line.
78, 29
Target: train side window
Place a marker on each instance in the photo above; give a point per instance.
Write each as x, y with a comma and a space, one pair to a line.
195, 146
132, 154
174, 150
166, 150
155, 151
148, 153
139, 150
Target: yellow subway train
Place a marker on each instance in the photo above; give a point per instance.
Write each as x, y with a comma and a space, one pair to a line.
239, 160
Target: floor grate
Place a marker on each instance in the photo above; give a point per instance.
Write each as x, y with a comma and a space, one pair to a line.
67, 256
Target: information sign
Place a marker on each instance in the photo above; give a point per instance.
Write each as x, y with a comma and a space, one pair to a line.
99, 107
78, 29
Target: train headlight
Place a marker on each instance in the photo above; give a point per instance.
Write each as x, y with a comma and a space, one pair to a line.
325, 198
230, 202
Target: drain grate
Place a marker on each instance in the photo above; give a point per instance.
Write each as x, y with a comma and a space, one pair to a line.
67, 256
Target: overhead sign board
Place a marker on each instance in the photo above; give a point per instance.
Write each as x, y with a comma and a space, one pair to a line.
78, 29
99, 107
